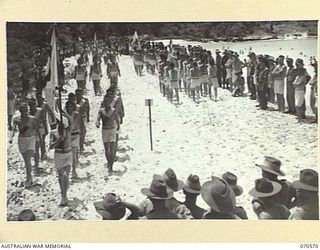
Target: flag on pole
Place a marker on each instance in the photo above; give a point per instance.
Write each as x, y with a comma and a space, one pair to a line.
53, 71
95, 42
135, 40
135, 37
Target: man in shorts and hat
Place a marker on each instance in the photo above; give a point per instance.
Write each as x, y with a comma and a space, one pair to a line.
191, 190
271, 169
27, 126
61, 142
307, 188
113, 208
300, 82
232, 179
220, 197
264, 192
158, 194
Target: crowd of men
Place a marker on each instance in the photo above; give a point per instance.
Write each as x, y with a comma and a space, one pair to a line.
272, 198
198, 73
66, 123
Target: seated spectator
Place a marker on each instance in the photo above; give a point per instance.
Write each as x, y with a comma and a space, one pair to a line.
192, 189
113, 208
263, 193
307, 196
220, 197
157, 194
238, 190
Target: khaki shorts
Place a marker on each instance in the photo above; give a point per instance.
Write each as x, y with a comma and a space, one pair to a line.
62, 160
108, 135
279, 87
26, 144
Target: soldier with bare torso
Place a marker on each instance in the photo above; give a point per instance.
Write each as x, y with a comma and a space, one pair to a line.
27, 126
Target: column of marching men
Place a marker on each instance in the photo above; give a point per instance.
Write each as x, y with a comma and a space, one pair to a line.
68, 135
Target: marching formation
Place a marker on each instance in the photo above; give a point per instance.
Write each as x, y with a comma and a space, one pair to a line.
191, 70
198, 73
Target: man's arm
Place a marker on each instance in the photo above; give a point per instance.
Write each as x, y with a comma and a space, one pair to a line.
13, 130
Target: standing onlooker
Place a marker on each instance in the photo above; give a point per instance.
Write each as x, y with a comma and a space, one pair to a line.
314, 90
251, 79
213, 80
291, 75
299, 84
219, 69
262, 82
271, 65
279, 73
224, 59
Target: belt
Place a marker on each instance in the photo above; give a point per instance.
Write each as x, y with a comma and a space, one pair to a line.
108, 127
62, 151
75, 133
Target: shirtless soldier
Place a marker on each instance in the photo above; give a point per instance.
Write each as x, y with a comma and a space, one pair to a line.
27, 126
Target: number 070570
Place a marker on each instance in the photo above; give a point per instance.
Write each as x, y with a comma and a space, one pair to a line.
309, 246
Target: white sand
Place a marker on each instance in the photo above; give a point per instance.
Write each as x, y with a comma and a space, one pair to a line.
204, 139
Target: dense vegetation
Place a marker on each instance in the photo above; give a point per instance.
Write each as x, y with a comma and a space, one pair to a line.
22, 38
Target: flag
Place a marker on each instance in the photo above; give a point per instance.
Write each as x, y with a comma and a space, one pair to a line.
52, 72
135, 40
135, 37
95, 42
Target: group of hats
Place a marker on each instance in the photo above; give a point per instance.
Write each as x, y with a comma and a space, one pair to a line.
264, 187
218, 193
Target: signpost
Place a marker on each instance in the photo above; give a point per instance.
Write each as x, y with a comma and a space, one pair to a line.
149, 103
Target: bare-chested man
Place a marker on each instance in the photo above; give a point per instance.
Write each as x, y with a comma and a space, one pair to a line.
75, 137
61, 141
27, 126
83, 107
107, 114
36, 113
43, 122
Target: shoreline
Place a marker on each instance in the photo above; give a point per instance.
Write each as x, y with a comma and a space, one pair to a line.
244, 39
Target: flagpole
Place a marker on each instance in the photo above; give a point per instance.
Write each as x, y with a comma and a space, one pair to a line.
59, 82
